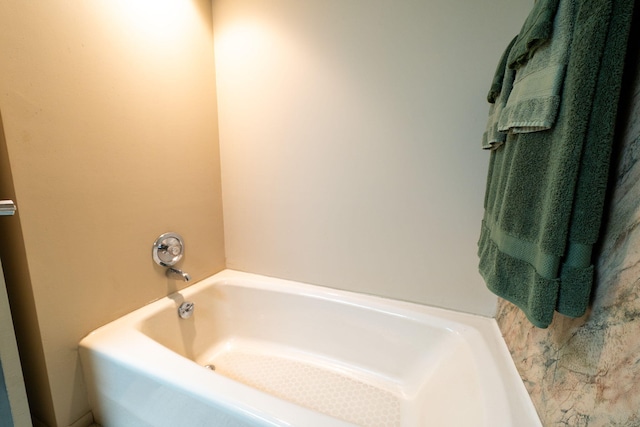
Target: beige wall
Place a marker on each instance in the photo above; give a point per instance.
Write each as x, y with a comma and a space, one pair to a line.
350, 141
109, 120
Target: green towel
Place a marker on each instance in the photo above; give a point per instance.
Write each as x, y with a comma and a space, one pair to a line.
498, 96
537, 29
545, 190
498, 79
535, 97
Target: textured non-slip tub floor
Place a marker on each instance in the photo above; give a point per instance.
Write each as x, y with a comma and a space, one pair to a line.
327, 391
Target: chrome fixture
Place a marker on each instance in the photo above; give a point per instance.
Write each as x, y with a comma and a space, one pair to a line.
7, 207
186, 310
167, 251
178, 274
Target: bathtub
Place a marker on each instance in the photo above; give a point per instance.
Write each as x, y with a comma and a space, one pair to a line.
260, 351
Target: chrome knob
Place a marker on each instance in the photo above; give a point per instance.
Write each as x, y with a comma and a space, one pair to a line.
168, 249
186, 310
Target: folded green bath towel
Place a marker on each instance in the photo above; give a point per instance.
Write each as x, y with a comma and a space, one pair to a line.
498, 96
545, 190
535, 97
537, 30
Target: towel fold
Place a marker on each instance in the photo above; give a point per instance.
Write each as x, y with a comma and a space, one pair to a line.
498, 96
545, 190
535, 97
536, 30
498, 77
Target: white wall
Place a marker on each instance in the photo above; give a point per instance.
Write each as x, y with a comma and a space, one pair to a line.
350, 134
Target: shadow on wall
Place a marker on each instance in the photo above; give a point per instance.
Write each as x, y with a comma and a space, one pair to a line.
19, 290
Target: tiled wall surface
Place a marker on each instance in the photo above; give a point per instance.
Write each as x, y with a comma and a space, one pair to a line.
586, 371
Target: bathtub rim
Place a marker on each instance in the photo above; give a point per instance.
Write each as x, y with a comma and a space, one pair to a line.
483, 331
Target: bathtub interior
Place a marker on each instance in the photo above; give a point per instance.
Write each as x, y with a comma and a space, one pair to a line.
347, 359
230, 317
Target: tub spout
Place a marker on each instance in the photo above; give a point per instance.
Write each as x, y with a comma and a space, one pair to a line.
175, 273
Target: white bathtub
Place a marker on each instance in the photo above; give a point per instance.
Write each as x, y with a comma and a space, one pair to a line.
290, 354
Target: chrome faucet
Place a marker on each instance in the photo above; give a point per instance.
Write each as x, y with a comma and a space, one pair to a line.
167, 251
175, 273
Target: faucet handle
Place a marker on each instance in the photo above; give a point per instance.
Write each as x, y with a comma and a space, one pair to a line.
172, 248
168, 249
